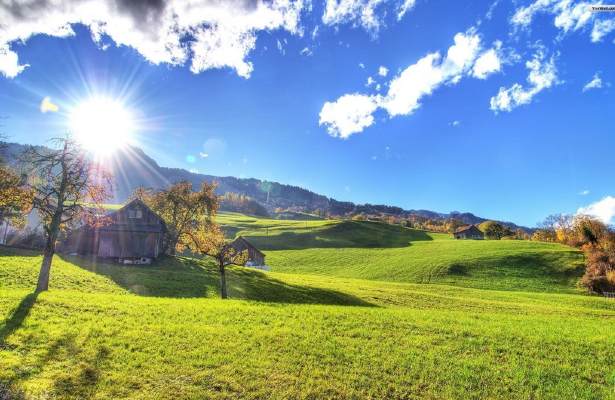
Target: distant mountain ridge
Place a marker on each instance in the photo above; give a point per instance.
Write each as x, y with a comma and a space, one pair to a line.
133, 168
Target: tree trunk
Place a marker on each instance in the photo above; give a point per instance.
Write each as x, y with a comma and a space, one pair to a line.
171, 244
43, 276
223, 293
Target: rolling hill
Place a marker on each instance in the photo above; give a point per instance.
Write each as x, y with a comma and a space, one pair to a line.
377, 251
341, 316
107, 331
133, 168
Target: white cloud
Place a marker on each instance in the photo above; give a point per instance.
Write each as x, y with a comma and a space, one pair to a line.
370, 81
543, 75
280, 47
455, 123
564, 16
352, 113
383, 71
572, 18
569, 16
368, 14
595, 83
406, 6
206, 33
584, 192
422, 78
306, 51
486, 64
203, 154
315, 33
601, 29
349, 114
361, 65
9, 62
603, 210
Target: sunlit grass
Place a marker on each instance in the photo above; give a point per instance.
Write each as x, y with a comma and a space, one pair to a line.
304, 337
348, 312
378, 251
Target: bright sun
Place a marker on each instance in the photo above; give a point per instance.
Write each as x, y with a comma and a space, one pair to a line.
102, 125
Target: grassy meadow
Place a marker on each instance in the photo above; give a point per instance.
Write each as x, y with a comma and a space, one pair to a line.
376, 251
349, 310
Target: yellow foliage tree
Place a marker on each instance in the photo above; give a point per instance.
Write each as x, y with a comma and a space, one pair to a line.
15, 198
210, 241
184, 211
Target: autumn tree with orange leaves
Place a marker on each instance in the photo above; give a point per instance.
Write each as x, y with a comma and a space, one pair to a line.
15, 198
183, 211
210, 241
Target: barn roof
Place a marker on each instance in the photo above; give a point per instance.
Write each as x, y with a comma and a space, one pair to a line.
242, 240
466, 228
134, 225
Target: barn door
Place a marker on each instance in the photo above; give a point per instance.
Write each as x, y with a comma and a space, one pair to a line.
105, 246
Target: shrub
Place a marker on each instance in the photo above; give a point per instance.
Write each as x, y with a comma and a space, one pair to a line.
599, 274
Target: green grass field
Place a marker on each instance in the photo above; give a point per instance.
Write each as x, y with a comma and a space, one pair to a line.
365, 326
370, 250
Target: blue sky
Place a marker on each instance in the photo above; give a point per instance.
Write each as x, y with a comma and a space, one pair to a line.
503, 109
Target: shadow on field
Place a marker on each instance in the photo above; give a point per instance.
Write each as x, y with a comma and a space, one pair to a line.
363, 234
77, 379
520, 272
14, 321
186, 278
80, 379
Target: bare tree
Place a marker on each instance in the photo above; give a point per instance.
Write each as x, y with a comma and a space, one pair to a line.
68, 187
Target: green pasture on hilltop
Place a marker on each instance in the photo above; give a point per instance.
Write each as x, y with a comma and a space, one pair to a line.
349, 311
378, 251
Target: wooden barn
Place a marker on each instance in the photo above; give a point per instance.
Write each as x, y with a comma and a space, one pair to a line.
255, 256
133, 235
468, 232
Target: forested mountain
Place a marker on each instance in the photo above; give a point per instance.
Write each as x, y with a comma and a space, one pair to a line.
132, 168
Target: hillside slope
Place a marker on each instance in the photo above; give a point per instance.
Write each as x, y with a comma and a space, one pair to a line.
377, 251
91, 339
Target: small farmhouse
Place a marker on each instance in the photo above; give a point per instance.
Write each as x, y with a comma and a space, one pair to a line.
133, 235
468, 232
255, 256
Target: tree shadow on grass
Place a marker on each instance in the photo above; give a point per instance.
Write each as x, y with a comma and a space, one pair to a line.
14, 321
9, 389
187, 278
364, 234
77, 379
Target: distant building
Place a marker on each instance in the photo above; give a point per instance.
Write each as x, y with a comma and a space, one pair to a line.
256, 257
134, 235
468, 232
